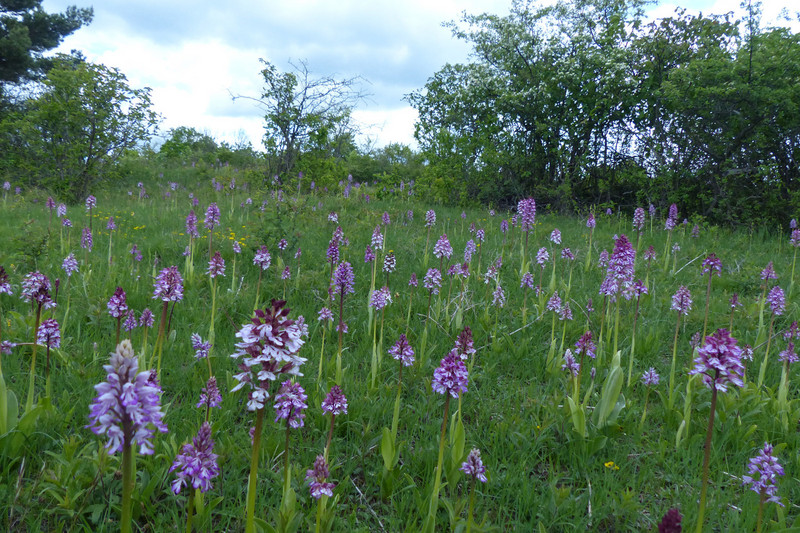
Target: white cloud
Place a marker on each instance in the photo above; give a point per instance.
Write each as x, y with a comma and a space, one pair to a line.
385, 126
193, 54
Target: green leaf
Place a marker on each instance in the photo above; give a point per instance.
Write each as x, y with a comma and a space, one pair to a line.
9, 408
607, 407
458, 444
388, 449
578, 416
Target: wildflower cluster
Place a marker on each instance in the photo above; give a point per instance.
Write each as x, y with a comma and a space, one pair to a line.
451, 376
763, 471
719, 361
269, 347
196, 464
402, 351
127, 408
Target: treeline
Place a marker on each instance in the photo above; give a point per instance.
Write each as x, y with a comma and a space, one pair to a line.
584, 103
329, 165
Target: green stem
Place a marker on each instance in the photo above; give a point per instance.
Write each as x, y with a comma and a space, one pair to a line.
708, 299
48, 388
31, 379
763, 370
434, 505
396, 413
671, 400
320, 509
616, 327
213, 310
633, 340
321, 356
233, 274
127, 485
761, 502
589, 252
374, 362
110, 236
160, 341
341, 334
251, 485
330, 437
189, 511
707, 455
380, 340
258, 288
1, 338
471, 512
408, 314
286, 459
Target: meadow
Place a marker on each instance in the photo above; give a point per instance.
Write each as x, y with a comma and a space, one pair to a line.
588, 441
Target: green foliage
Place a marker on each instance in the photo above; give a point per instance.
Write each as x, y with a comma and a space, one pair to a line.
71, 135
186, 143
305, 116
581, 103
26, 32
542, 474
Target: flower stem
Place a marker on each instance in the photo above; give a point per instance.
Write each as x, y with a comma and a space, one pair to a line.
708, 299
670, 401
127, 486
330, 437
320, 509
396, 413
633, 341
374, 362
321, 356
408, 314
763, 370
47, 384
29, 401
258, 289
341, 335
251, 485
434, 505
616, 328
471, 512
213, 310
286, 459
160, 340
760, 510
189, 510
707, 454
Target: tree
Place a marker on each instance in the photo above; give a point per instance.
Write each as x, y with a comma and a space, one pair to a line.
72, 134
183, 143
26, 32
545, 102
303, 113
580, 103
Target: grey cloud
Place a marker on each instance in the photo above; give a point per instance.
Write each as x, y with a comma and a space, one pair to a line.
383, 42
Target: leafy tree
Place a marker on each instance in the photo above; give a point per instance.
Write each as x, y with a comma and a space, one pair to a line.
26, 32
581, 103
721, 114
72, 134
184, 143
305, 114
546, 100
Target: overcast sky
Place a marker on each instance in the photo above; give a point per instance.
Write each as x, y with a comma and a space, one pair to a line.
195, 53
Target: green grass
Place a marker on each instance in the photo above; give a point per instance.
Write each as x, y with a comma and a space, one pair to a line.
542, 474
